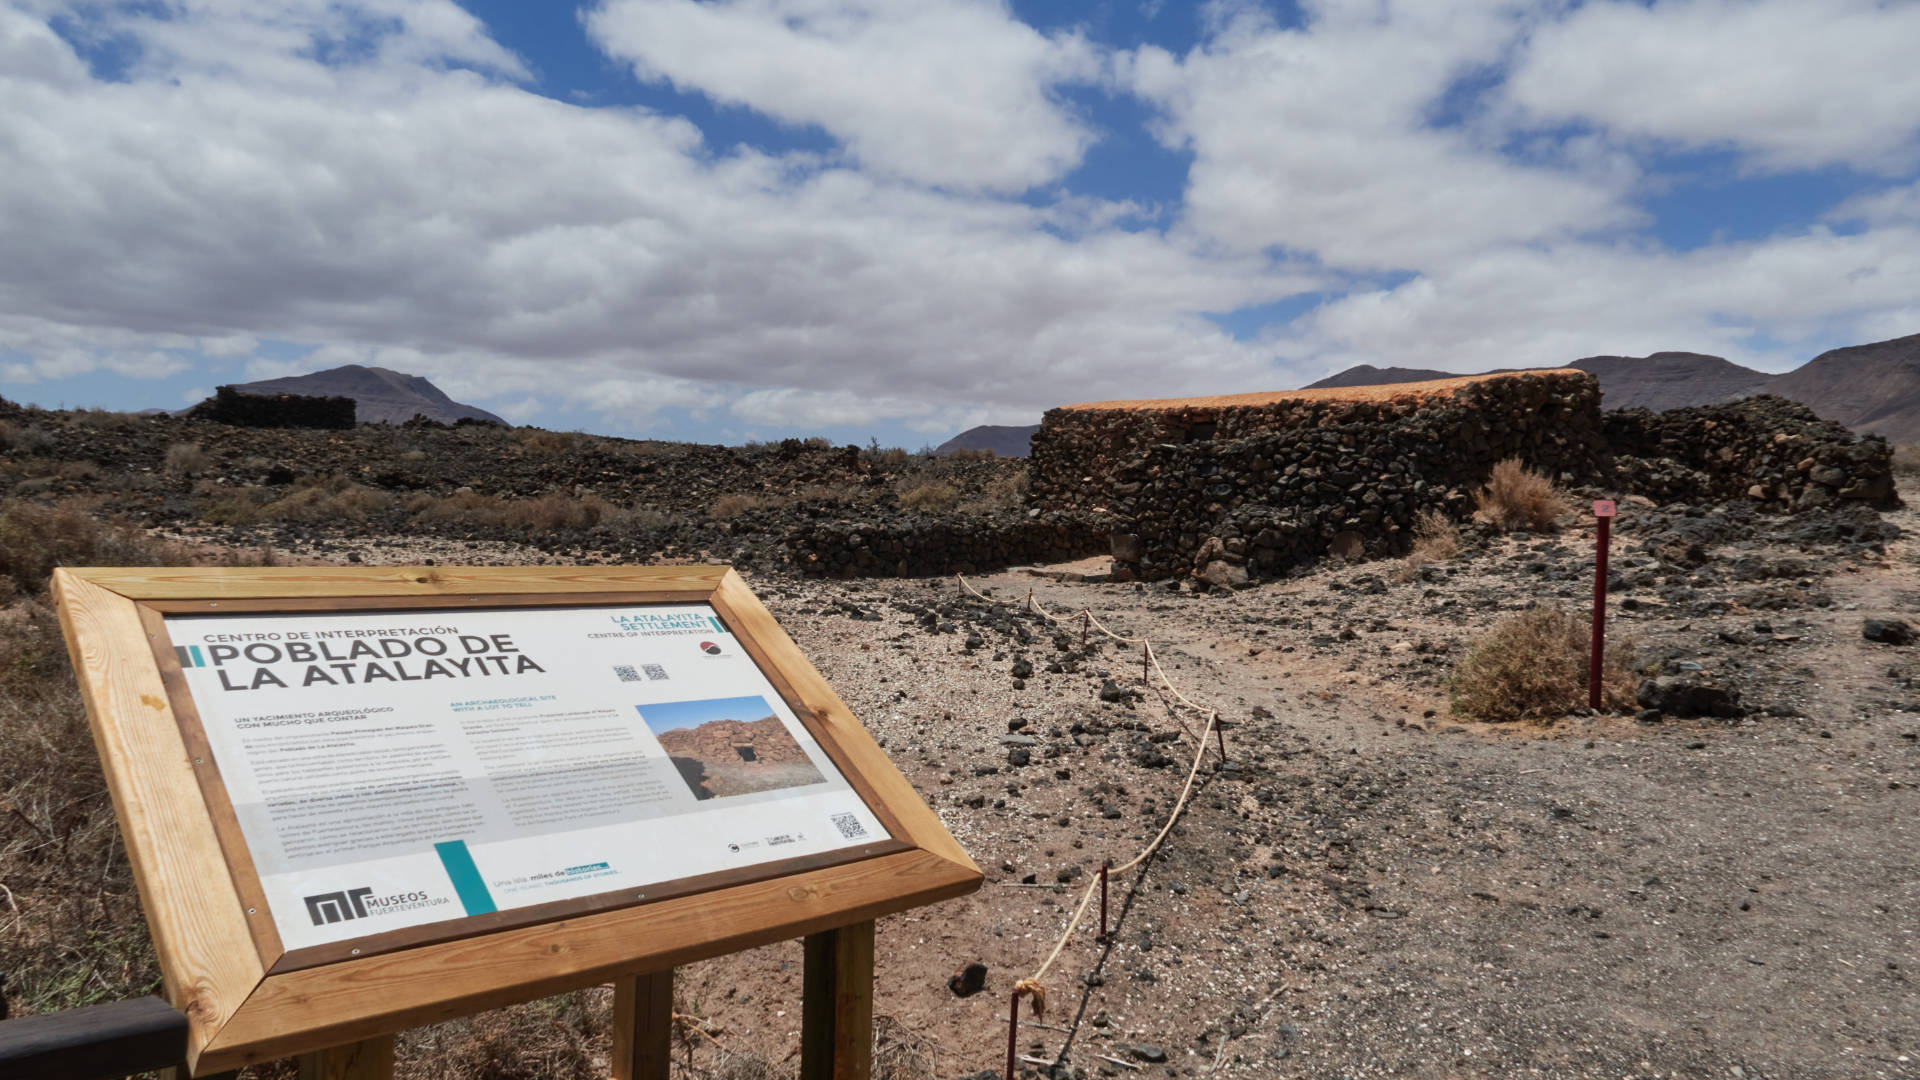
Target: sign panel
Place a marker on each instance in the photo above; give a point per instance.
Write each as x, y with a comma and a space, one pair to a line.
419, 792
397, 769
1603, 508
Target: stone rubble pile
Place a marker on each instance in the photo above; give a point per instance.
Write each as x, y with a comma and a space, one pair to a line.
1776, 452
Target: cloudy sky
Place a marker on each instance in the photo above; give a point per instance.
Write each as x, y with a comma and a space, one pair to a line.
731, 219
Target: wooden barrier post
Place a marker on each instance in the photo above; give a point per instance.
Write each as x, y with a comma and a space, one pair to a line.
836, 1015
369, 1059
642, 1026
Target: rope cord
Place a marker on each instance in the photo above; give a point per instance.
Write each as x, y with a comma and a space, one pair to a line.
1031, 985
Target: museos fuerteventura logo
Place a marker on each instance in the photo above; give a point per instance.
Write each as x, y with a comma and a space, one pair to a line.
711, 649
349, 904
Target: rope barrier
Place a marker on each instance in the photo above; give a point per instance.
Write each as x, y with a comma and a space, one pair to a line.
1031, 986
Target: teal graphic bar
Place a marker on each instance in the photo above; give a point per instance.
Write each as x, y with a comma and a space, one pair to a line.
466, 877
718, 625
198, 660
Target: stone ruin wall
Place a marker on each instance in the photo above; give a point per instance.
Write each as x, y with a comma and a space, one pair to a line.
1350, 477
929, 546
719, 740
231, 406
1319, 474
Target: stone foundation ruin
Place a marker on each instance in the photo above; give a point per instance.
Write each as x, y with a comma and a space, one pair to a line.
1238, 487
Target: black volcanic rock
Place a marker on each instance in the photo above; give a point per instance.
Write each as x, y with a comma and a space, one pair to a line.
1368, 375
1670, 380
1866, 387
379, 395
1004, 441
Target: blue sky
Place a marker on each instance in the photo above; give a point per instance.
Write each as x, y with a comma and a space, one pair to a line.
732, 219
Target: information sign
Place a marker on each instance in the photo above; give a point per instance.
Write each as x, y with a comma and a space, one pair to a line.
598, 771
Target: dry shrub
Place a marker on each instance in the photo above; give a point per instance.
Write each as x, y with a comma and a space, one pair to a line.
1516, 497
185, 459
1435, 537
459, 508
1533, 666
1906, 459
103, 420
733, 505
555, 1038
334, 498
548, 513
542, 441
71, 933
36, 537
932, 495
24, 439
1001, 494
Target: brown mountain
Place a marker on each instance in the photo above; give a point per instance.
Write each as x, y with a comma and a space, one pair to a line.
1003, 440
379, 395
1664, 380
1671, 380
1866, 387
1368, 375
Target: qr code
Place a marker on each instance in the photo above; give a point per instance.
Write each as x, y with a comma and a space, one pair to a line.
626, 673
849, 826
654, 671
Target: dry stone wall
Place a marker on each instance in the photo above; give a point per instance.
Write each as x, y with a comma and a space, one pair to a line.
1775, 452
1080, 449
924, 546
1350, 482
230, 406
721, 741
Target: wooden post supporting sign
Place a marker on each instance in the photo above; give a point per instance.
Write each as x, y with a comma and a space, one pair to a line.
642, 1026
369, 1059
836, 1018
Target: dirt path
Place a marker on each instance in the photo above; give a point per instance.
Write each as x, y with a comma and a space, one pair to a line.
1373, 889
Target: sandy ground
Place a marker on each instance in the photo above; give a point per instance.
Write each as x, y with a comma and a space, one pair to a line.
1372, 888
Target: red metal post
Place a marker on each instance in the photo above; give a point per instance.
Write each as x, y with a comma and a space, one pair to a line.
1086, 617
1013, 1033
1146, 679
1603, 512
1220, 733
1103, 897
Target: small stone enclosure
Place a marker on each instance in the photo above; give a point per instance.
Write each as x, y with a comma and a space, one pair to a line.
1242, 486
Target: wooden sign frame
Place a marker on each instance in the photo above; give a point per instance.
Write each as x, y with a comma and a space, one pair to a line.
248, 1001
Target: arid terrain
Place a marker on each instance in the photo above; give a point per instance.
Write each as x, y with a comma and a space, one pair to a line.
1369, 886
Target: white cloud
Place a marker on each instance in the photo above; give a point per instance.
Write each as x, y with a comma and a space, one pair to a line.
507, 243
1791, 83
1492, 310
955, 93
1318, 139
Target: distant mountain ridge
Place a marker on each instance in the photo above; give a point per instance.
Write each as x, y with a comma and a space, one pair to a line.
380, 396
1873, 387
1660, 381
1004, 440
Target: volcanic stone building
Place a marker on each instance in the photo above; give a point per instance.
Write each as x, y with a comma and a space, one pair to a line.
1251, 485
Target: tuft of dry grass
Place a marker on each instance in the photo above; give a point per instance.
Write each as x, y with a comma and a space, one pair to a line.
1435, 537
71, 933
931, 495
1533, 666
1516, 497
186, 459
1004, 493
737, 503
